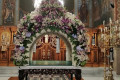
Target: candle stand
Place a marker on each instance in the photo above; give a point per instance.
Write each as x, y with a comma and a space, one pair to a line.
110, 38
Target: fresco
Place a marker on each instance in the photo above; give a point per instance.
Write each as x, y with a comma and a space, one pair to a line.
8, 12
83, 11
102, 10
94, 12
69, 5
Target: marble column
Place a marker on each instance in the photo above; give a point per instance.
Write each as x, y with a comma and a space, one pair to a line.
1, 12
90, 14
117, 60
17, 12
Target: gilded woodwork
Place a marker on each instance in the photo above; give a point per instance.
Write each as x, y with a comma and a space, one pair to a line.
95, 53
6, 38
48, 52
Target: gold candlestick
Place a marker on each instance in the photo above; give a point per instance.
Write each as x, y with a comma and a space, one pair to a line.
105, 76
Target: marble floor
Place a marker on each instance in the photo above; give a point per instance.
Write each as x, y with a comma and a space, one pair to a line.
88, 73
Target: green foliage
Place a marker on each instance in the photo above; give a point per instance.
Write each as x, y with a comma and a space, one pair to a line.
82, 64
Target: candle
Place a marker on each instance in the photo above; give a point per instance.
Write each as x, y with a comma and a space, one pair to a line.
116, 28
105, 28
101, 30
110, 20
102, 36
117, 22
119, 34
104, 23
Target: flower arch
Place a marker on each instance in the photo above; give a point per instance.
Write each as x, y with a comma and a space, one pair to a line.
50, 17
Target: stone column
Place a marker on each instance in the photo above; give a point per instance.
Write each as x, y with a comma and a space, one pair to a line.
17, 12
90, 14
1, 12
117, 60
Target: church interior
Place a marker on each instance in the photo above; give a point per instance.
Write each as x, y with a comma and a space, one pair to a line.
59, 39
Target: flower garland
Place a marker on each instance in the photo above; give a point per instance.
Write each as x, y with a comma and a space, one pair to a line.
51, 15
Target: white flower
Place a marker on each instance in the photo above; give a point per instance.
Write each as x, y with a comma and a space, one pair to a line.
36, 23
19, 26
81, 57
33, 14
19, 58
79, 37
70, 15
21, 44
33, 21
21, 21
23, 33
69, 24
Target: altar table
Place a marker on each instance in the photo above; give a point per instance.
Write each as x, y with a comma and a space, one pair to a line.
48, 70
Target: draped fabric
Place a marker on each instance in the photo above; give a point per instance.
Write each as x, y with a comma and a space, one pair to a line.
34, 48
57, 45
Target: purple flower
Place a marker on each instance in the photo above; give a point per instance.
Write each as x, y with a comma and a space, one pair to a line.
78, 48
66, 30
17, 46
65, 20
80, 27
24, 17
28, 34
74, 35
22, 48
38, 18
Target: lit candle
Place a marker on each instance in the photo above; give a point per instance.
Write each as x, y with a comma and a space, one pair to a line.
110, 20
106, 28
119, 34
102, 36
104, 23
117, 22
101, 30
116, 28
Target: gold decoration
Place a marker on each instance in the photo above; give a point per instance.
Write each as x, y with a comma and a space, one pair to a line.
5, 40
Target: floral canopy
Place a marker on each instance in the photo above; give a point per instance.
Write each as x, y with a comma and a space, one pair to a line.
50, 15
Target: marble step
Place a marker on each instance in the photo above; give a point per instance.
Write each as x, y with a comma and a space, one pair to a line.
8, 71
